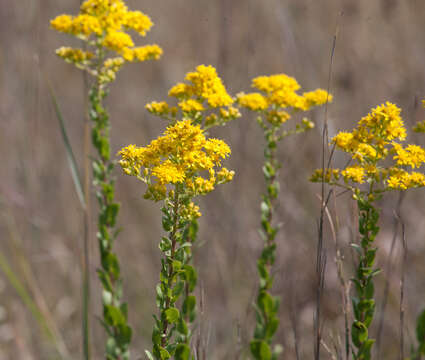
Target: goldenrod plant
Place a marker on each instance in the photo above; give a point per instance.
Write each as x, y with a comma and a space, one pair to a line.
103, 26
378, 163
204, 101
173, 168
275, 102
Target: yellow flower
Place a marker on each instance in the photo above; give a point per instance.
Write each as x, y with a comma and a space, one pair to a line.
168, 173
208, 85
191, 105
354, 173
252, 101
74, 55
158, 108
117, 41
147, 52
412, 155
275, 83
316, 97
86, 25
178, 157
344, 140
62, 23
384, 122
108, 21
181, 90
138, 21
371, 142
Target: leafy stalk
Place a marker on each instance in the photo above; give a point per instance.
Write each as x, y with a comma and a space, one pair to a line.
114, 309
171, 334
363, 302
267, 306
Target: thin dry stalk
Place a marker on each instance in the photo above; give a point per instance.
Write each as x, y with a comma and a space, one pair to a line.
344, 285
320, 255
328, 350
294, 323
388, 271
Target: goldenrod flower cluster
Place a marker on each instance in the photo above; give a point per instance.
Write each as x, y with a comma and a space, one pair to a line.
104, 25
204, 97
376, 139
181, 156
76, 56
279, 92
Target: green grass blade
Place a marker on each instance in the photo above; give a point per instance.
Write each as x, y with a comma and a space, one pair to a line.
69, 153
27, 300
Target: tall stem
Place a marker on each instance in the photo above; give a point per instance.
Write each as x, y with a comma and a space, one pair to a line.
363, 302
114, 310
171, 334
267, 306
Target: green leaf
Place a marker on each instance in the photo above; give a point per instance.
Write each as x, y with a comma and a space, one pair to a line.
359, 333
260, 350
111, 265
177, 265
164, 354
166, 223
177, 290
271, 327
189, 305
191, 276
182, 352
113, 315
265, 303
111, 214
182, 327
420, 328
72, 163
366, 349
124, 335
172, 315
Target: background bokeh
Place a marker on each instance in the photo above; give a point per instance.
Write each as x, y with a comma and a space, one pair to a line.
379, 56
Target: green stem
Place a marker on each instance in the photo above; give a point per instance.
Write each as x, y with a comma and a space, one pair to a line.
267, 306
363, 302
114, 310
171, 334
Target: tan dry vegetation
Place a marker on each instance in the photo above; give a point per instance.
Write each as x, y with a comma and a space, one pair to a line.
379, 56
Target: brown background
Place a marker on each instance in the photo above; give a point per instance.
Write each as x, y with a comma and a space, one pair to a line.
379, 56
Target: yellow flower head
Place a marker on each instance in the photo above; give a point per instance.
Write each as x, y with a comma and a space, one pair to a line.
190, 105
207, 85
274, 83
354, 173
203, 92
180, 156
253, 101
278, 97
370, 143
105, 23
76, 56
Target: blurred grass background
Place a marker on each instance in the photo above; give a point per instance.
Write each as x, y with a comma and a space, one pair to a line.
379, 56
